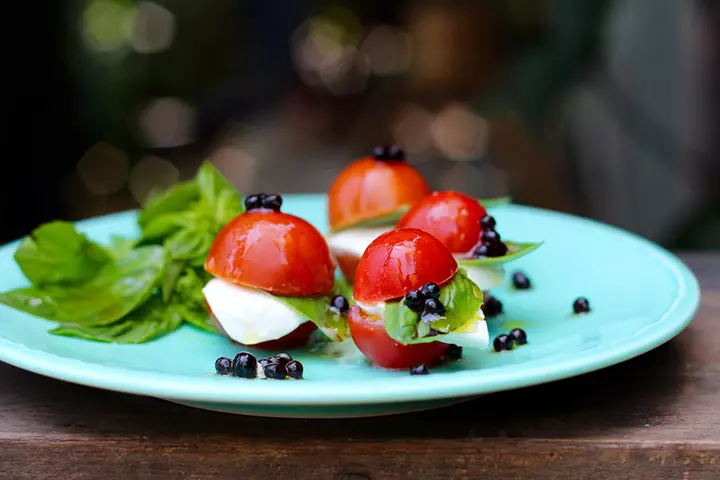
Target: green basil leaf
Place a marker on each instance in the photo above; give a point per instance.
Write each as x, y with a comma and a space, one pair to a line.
318, 311
175, 199
56, 253
117, 289
515, 250
342, 287
494, 202
462, 300
161, 227
217, 194
151, 320
120, 247
189, 244
172, 273
389, 220
196, 317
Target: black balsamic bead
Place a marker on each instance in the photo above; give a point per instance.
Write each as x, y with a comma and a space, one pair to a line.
281, 359
264, 362
272, 201
419, 370
492, 307
487, 223
415, 300
520, 281
430, 290
518, 336
490, 236
223, 366
388, 153
245, 365
454, 352
581, 305
294, 369
481, 251
497, 249
503, 342
340, 304
275, 371
433, 307
254, 201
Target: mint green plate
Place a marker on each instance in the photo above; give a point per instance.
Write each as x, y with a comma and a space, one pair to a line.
641, 297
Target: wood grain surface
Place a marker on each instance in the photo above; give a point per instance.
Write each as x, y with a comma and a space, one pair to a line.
654, 417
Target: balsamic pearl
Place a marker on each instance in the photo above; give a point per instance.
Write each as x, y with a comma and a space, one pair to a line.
272, 201
388, 153
492, 307
419, 370
454, 352
281, 359
581, 305
520, 281
275, 371
433, 307
487, 223
430, 290
482, 251
223, 366
518, 336
244, 365
340, 304
503, 342
490, 236
254, 201
497, 249
415, 300
294, 369
264, 362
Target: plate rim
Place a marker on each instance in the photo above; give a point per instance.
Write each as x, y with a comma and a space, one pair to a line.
411, 388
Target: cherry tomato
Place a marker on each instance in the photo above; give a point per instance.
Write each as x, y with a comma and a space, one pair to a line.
451, 217
295, 339
372, 340
370, 188
348, 265
399, 261
272, 251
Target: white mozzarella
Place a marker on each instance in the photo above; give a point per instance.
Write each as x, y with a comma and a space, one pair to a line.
354, 241
247, 315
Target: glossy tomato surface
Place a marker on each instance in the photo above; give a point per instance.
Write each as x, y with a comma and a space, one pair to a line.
272, 251
370, 188
295, 339
451, 217
372, 340
399, 261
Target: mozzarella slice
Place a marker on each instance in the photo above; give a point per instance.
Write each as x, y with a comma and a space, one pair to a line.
249, 316
354, 241
486, 277
473, 335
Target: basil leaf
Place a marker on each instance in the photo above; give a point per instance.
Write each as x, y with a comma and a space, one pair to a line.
195, 317
175, 199
56, 253
218, 195
189, 244
170, 278
152, 320
317, 310
342, 287
494, 202
161, 227
462, 300
515, 251
116, 290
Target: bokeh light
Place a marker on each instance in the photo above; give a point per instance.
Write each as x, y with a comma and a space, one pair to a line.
107, 24
459, 133
151, 174
411, 128
103, 169
153, 28
388, 50
167, 122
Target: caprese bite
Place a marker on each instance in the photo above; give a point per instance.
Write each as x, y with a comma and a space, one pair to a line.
274, 279
412, 301
366, 199
464, 227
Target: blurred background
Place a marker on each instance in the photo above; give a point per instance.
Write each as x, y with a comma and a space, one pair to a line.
606, 109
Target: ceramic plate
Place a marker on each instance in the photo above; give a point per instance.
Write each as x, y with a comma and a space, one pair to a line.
641, 297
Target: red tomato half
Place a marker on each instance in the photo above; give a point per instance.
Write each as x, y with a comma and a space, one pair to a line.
348, 265
451, 217
370, 188
272, 251
399, 261
372, 340
295, 339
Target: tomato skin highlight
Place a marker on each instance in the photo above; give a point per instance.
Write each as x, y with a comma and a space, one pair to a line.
272, 251
295, 339
399, 261
370, 188
451, 217
369, 335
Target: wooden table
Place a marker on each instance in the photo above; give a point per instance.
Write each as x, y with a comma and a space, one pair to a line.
654, 417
